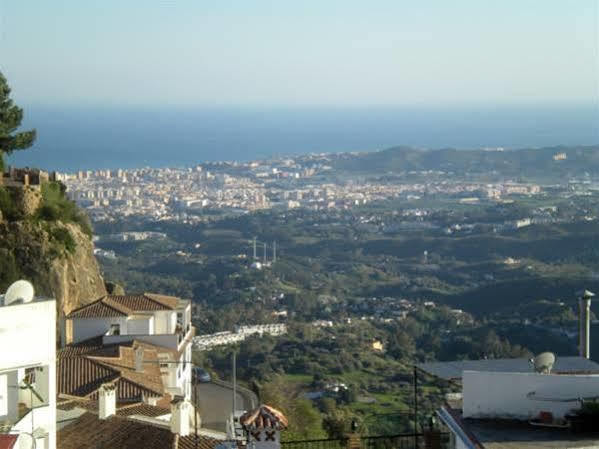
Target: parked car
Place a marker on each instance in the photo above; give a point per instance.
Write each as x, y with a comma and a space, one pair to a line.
201, 375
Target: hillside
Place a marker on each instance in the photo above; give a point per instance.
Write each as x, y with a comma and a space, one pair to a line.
45, 239
531, 164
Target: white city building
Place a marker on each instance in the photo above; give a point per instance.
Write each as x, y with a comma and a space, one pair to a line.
512, 403
27, 369
158, 320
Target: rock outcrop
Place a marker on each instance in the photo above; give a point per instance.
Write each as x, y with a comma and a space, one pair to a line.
56, 257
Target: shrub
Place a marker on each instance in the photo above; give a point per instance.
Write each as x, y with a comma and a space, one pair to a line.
64, 238
7, 205
56, 206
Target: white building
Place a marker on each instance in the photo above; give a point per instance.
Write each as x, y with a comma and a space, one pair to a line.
158, 320
506, 403
27, 371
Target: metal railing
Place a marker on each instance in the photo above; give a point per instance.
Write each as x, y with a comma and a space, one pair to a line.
404, 441
334, 443
399, 441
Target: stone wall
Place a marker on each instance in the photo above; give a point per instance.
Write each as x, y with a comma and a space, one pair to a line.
27, 198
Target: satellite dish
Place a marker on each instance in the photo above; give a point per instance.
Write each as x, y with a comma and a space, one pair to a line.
19, 291
544, 362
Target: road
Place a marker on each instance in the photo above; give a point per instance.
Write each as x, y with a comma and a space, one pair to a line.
216, 404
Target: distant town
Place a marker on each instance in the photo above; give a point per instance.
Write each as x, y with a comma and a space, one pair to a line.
181, 194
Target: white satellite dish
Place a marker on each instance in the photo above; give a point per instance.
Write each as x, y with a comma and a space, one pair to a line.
19, 291
544, 362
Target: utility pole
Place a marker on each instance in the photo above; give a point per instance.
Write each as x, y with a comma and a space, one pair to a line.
234, 386
415, 408
195, 406
254, 248
274, 251
265, 253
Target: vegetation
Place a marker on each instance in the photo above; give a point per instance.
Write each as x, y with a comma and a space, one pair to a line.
10, 120
530, 164
56, 206
515, 289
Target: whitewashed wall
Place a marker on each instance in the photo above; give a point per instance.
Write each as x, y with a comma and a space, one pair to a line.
84, 328
504, 395
28, 338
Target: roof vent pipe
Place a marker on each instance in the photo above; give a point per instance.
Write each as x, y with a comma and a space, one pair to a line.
584, 330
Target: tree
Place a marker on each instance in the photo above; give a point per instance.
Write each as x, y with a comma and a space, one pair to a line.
10, 119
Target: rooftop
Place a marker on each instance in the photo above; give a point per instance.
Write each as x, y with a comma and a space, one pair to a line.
514, 434
453, 370
127, 305
36, 299
83, 368
264, 417
89, 432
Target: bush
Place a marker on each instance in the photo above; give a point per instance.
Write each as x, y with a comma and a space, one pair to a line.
64, 238
56, 206
7, 206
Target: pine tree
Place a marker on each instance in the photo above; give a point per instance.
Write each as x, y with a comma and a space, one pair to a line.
10, 120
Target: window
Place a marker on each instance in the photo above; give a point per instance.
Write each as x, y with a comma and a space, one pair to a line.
30, 375
115, 329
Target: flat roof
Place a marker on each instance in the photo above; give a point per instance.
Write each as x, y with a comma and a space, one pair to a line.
36, 299
508, 434
453, 370
512, 434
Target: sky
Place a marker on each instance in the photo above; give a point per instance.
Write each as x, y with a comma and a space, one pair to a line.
300, 52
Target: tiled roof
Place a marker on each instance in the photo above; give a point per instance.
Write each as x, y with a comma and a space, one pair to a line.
8, 441
82, 372
262, 417
122, 408
89, 432
81, 348
124, 305
142, 409
80, 376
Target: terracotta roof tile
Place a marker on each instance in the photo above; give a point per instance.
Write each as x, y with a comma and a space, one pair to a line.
89, 432
82, 373
124, 305
168, 301
8, 441
96, 309
262, 417
142, 409
80, 376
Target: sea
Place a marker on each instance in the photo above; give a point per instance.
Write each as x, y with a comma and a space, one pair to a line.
79, 138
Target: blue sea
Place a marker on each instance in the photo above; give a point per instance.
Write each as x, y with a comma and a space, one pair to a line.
71, 138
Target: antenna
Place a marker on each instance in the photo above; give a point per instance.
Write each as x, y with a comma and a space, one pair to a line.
543, 363
19, 291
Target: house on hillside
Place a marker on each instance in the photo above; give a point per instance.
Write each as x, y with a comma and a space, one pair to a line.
117, 324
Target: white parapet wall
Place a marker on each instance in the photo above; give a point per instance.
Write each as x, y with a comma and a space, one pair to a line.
524, 395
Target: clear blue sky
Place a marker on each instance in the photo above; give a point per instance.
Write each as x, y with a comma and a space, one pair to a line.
300, 52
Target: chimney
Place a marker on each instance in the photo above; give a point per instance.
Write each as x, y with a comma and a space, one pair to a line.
107, 401
584, 331
180, 416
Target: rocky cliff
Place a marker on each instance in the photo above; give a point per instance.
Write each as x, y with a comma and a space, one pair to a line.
56, 257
